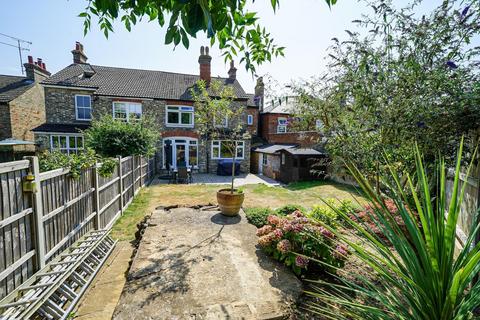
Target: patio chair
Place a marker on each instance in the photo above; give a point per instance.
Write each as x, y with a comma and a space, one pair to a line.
182, 175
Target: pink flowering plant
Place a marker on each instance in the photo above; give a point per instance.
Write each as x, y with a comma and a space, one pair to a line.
298, 241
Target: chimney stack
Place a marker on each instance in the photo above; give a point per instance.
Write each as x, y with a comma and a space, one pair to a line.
204, 60
232, 73
78, 54
259, 93
36, 71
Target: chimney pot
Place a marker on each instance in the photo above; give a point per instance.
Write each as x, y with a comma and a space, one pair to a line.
232, 73
78, 54
205, 64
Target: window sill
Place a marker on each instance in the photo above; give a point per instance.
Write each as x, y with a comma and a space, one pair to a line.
168, 125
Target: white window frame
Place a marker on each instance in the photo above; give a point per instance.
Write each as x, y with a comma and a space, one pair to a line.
68, 149
76, 107
264, 159
217, 144
189, 142
282, 125
249, 119
224, 123
179, 111
127, 111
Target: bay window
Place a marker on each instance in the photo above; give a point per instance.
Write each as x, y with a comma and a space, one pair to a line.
66, 143
127, 111
223, 149
179, 116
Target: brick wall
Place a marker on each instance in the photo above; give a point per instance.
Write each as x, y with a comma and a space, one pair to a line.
269, 132
5, 124
60, 105
27, 112
253, 128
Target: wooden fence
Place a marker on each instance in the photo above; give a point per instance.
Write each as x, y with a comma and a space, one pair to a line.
468, 213
37, 226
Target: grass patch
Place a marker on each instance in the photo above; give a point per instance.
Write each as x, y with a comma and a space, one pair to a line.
126, 226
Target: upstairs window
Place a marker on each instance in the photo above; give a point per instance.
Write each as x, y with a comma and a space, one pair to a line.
221, 124
66, 143
127, 111
282, 125
83, 107
249, 119
222, 149
179, 116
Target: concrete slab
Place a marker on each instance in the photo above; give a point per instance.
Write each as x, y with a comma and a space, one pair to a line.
198, 264
101, 298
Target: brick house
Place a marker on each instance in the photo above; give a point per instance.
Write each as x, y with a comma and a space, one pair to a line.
283, 153
83, 91
22, 108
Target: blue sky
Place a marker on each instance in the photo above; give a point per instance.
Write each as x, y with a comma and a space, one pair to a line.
305, 27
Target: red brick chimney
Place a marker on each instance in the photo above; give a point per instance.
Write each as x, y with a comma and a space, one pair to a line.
78, 54
205, 60
37, 70
232, 73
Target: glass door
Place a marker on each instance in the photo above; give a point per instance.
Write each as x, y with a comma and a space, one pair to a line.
180, 155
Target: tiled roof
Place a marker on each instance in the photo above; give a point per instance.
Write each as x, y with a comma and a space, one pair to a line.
251, 101
13, 86
273, 148
303, 151
135, 83
286, 105
62, 127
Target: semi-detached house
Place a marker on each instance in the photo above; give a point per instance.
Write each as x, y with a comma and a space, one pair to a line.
82, 91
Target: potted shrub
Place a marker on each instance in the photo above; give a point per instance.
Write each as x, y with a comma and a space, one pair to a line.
218, 117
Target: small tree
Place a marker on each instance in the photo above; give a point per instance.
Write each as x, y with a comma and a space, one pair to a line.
111, 138
217, 117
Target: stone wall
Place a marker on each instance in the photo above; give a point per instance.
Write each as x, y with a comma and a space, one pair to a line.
60, 108
253, 128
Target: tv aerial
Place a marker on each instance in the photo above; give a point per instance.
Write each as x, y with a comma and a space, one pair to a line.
19, 45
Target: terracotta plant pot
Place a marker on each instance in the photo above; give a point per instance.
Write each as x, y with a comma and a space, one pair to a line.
230, 203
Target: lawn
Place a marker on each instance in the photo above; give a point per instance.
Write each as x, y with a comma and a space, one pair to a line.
306, 194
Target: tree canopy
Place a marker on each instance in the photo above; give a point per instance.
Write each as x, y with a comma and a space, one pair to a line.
406, 79
227, 23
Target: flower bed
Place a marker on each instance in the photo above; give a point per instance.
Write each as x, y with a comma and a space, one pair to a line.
293, 238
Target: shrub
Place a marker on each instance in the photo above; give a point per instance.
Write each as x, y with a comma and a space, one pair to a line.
292, 238
111, 138
75, 162
288, 209
327, 212
428, 278
258, 216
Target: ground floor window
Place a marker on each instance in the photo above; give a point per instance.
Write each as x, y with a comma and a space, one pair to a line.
66, 143
264, 160
223, 149
180, 152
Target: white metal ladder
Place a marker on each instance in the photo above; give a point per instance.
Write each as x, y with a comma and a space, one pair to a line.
53, 292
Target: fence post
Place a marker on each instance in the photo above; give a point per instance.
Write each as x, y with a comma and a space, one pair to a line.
96, 197
37, 204
120, 185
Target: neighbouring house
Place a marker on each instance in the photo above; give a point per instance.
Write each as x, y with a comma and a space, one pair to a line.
283, 153
82, 91
22, 108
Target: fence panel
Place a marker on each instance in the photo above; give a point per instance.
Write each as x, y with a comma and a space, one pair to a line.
469, 206
16, 245
68, 209
35, 227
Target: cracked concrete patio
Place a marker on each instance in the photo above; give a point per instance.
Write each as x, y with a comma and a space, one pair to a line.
198, 264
